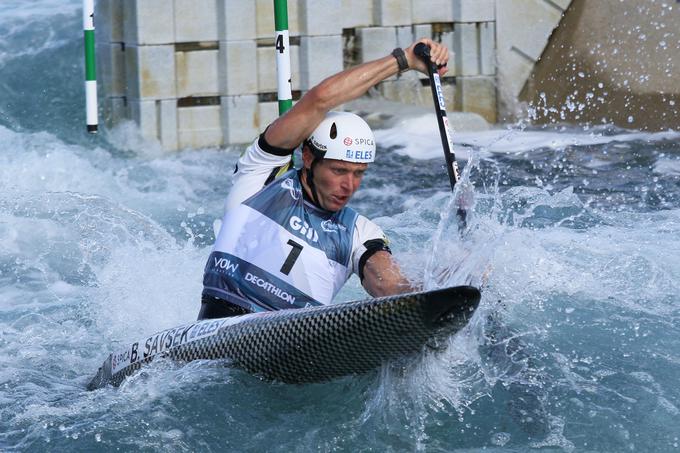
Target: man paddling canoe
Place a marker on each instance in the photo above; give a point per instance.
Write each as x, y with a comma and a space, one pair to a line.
287, 238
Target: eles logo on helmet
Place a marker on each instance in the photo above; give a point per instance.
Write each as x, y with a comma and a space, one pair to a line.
359, 155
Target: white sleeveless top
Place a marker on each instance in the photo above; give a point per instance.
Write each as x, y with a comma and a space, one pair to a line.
277, 250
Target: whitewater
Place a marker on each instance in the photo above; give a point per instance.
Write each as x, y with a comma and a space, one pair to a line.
574, 233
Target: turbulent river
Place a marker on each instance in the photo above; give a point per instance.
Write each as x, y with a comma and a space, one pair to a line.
574, 233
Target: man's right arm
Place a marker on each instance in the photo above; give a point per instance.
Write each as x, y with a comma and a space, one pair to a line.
289, 130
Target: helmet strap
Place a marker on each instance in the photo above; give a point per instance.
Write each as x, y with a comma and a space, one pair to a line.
309, 172
310, 181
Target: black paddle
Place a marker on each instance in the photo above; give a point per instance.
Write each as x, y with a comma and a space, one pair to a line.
422, 51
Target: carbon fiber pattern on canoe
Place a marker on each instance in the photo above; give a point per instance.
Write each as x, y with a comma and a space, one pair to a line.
321, 343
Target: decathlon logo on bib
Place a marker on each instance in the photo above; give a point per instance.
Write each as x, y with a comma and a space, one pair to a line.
270, 288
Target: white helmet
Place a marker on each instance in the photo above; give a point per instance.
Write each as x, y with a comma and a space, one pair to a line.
343, 136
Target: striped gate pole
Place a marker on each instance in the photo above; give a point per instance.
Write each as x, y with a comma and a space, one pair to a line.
90, 68
285, 95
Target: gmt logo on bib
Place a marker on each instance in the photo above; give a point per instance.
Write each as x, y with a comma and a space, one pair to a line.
300, 226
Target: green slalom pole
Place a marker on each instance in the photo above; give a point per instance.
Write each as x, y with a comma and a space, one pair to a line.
282, 45
90, 68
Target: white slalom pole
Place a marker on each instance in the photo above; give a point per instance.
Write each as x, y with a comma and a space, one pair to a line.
90, 67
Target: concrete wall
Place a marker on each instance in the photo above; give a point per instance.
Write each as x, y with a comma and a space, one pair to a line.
523, 29
195, 73
611, 62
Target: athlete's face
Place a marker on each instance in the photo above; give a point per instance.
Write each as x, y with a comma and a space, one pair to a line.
335, 180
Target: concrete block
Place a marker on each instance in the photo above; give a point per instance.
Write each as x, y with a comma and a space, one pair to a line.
376, 42
466, 49
477, 95
197, 73
356, 13
199, 126
431, 11
150, 72
237, 67
144, 114
264, 23
240, 121
111, 69
422, 31
518, 46
294, 25
266, 69
320, 18
166, 111
148, 22
425, 31
320, 57
404, 36
114, 110
513, 71
236, 20
267, 113
513, 30
392, 12
475, 10
108, 21
410, 91
562, 4
264, 19
195, 20
156, 119
407, 90
487, 48
295, 67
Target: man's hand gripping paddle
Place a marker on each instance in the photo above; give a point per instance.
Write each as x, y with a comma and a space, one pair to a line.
422, 51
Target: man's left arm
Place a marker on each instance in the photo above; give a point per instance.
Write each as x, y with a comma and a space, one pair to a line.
373, 262
382, 276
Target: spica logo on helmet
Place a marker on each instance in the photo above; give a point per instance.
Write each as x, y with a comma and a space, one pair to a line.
364, 141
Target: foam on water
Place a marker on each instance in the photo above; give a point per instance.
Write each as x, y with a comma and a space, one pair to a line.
419, 138
19, 21
108, 252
